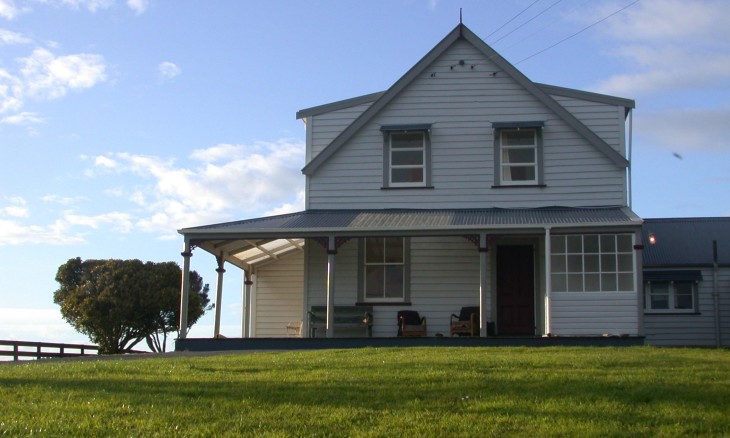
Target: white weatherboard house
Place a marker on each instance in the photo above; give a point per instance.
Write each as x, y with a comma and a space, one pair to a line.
463, 184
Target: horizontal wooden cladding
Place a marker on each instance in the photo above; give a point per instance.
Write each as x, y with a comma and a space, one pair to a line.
444, 277
585, 313
326, 127
697, 329
279, 295
461, 106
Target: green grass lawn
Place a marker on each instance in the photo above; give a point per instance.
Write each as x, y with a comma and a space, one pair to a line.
413, 392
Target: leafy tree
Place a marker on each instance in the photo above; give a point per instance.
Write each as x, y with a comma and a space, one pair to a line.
119, 303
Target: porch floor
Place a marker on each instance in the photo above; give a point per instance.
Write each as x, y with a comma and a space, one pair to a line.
283, 344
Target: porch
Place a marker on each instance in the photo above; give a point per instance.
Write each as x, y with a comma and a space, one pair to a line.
289, 344
447, 259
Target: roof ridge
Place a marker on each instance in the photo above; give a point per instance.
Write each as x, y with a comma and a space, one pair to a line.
462, 32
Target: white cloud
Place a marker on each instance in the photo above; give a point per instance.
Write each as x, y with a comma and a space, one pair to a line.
63, 200
91, 5
665, 21
219, 152
117, 221
687, 129
289, 207
9, 38
48, 76
670, 44
9, 10
105, 162
58, 233
219, 189
37, 325
138, 6
24, 118
10, 88
17, 208
168, 70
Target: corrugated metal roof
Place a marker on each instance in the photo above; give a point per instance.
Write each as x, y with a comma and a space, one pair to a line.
686, 241
404, 220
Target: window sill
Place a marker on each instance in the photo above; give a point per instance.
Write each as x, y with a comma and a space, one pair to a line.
661, 313
519, 186
383, 303
408, 188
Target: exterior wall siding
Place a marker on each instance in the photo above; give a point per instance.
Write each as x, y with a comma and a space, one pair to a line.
694, 329
460, 105
444, 277
594, 313
278, 296
325, 127
601, 118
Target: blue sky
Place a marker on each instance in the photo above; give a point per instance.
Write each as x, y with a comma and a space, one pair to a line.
123, 121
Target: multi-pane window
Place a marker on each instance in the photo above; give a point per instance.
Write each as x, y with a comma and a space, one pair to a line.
592, 263
669, 296
518, 156
385, 263
407, 153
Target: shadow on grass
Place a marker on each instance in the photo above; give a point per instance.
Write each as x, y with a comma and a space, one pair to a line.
613, 390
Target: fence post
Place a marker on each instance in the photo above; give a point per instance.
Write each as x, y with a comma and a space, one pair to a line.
38, 352
15, 352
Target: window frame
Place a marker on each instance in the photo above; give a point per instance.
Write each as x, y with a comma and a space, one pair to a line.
500, 128
388, 132
565, 279
671, 297
362, 276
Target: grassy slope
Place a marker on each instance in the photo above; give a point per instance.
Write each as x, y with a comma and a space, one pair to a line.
378, 392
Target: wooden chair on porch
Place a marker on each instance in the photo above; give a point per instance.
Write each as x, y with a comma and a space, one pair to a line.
466, 323
410, 323
294, 329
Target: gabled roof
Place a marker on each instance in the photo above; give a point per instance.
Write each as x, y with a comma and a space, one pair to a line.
686, 242
462, 32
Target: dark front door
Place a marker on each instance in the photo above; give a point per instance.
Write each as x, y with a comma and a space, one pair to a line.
515, 290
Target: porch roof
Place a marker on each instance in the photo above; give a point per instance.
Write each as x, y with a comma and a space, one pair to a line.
248, 242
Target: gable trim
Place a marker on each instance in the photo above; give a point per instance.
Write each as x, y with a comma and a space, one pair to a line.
462, 32
340, 104
628, 104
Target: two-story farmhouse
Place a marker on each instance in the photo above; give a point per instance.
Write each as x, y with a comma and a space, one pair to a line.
465, 184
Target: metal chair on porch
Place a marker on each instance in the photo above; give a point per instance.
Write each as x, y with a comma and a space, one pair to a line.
466, 323
410, 323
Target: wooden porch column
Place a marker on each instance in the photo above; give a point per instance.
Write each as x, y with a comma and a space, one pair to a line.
246, 305
185, 289
548, 279
218, 296
331, 252
483, 284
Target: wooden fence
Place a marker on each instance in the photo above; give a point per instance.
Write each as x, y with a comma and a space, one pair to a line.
42, 350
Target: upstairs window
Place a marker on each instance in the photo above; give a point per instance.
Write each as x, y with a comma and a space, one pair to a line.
518, 154
406, 156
